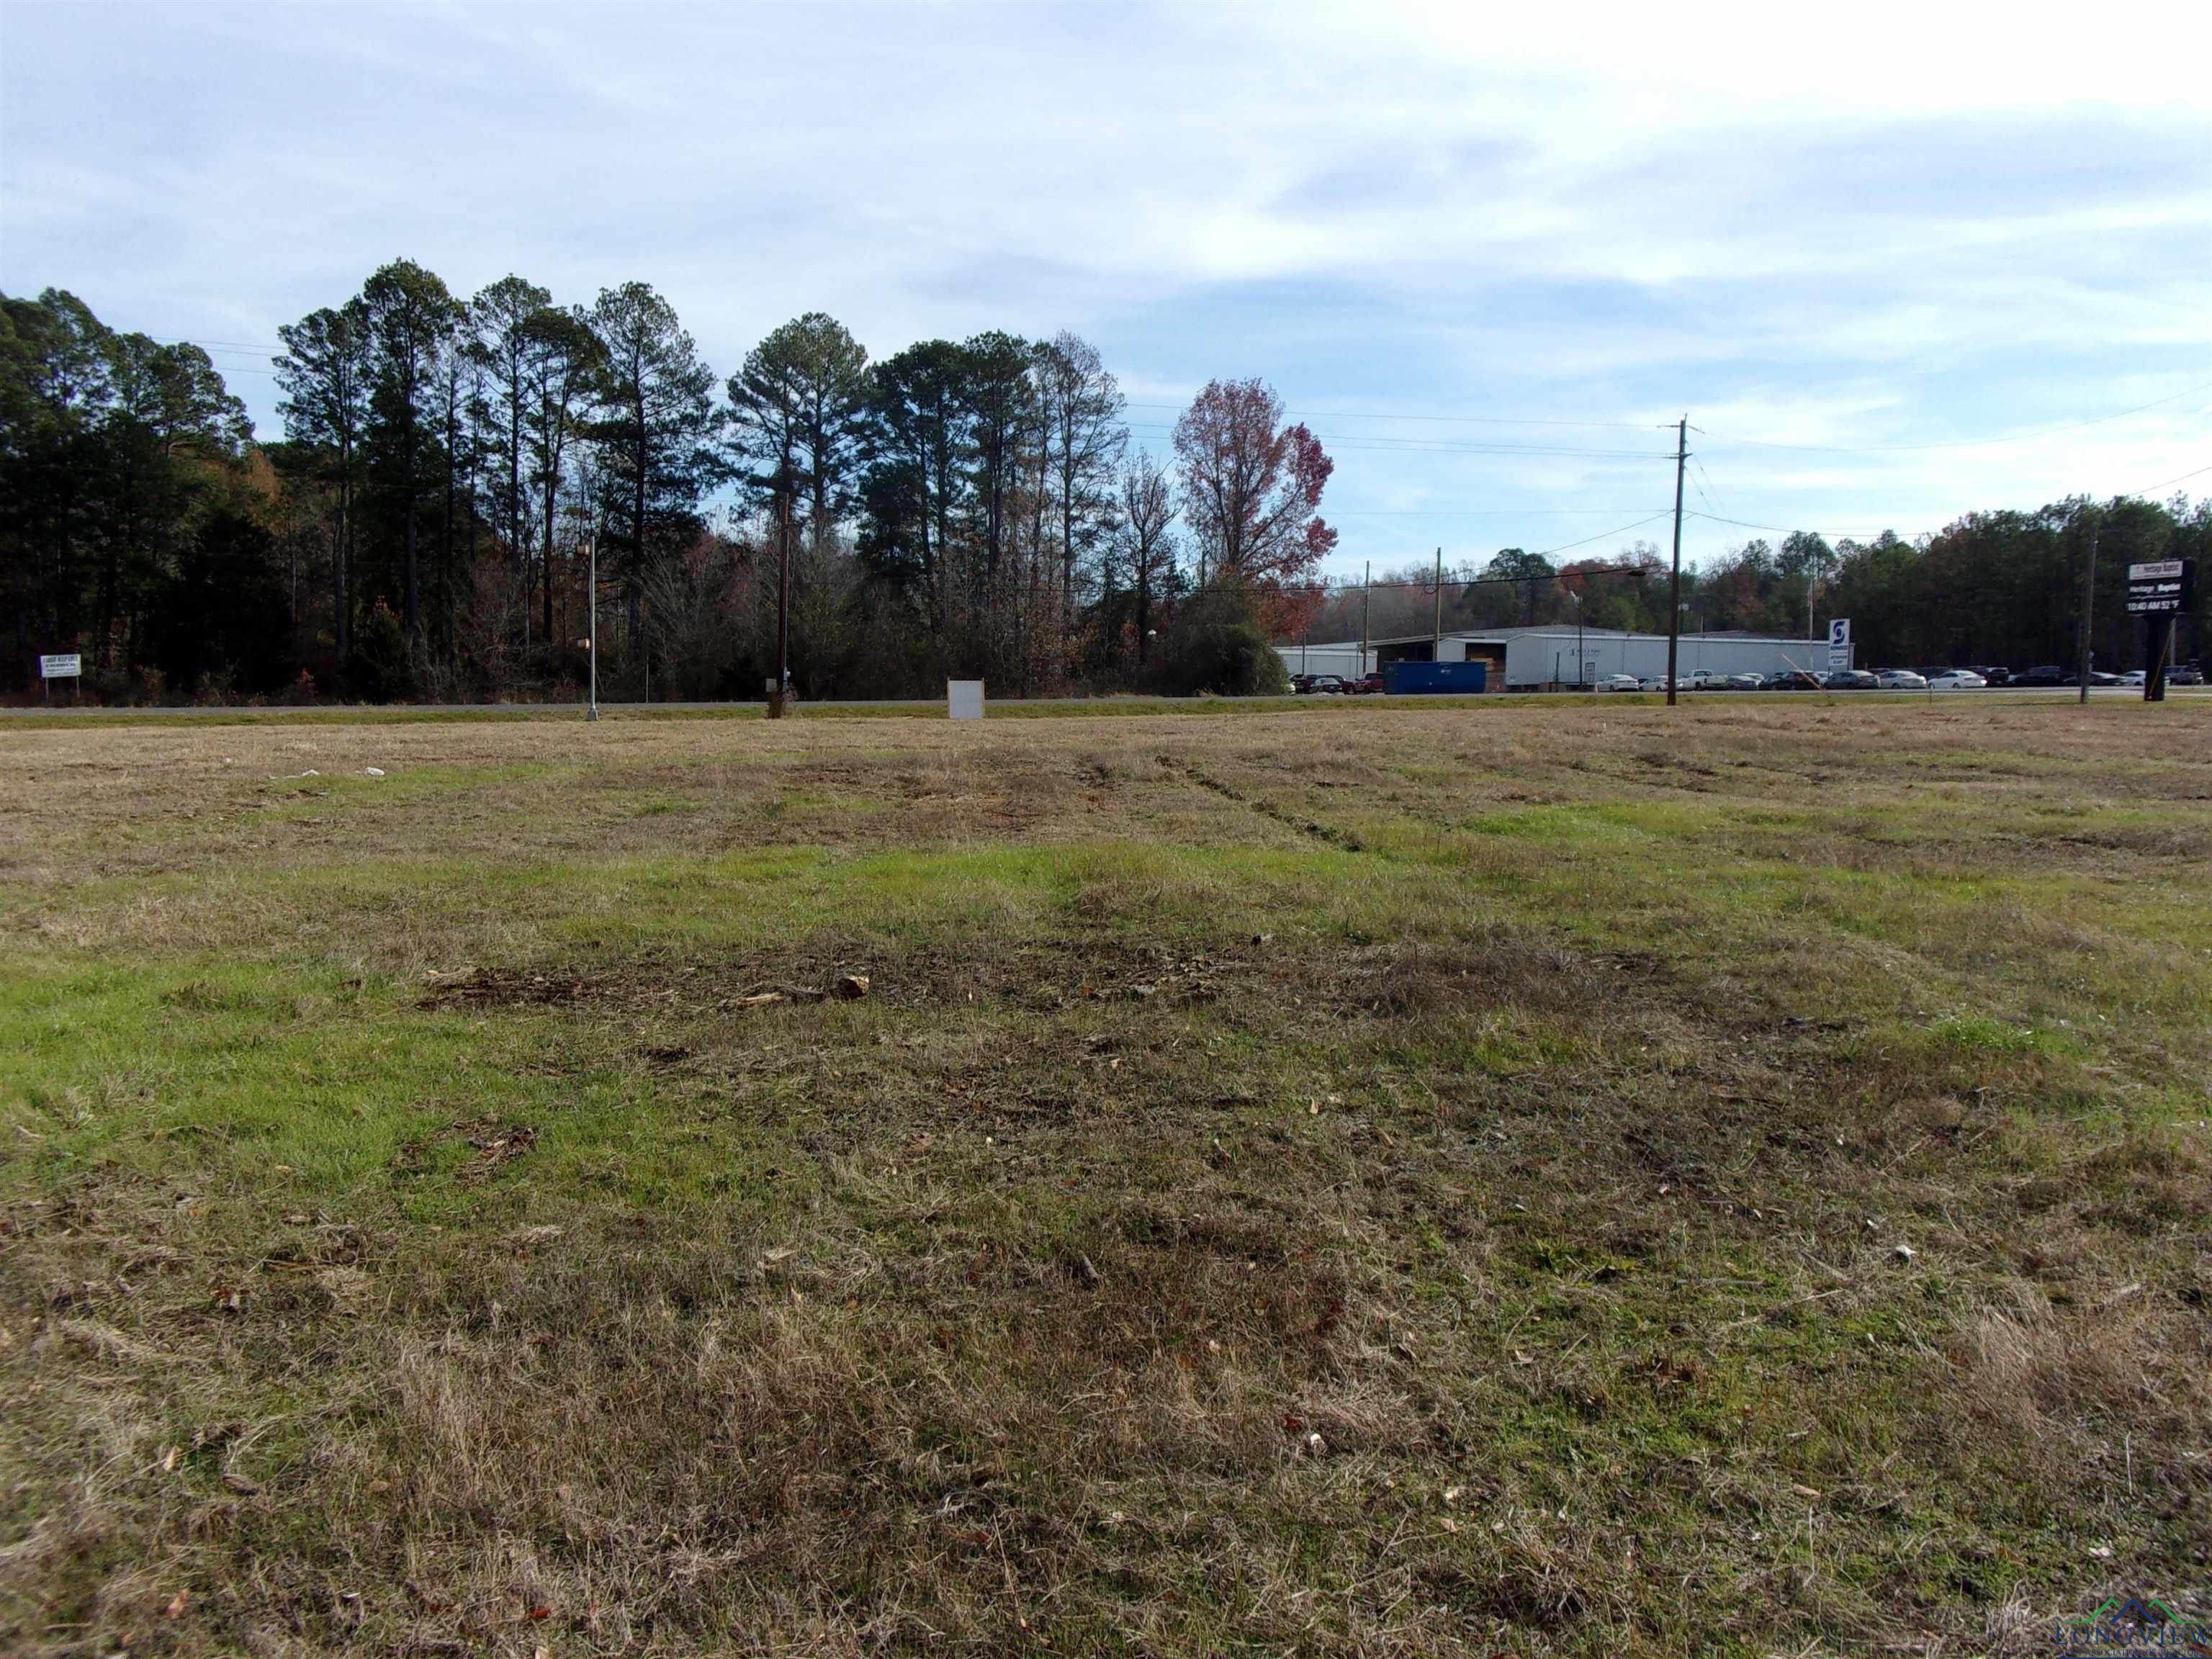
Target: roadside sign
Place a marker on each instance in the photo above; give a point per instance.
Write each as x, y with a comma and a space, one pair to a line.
963, 699
1840, 644
2161, 587
68, 667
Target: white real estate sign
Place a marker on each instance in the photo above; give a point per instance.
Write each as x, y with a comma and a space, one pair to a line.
61, 668
963, 699
1840, 644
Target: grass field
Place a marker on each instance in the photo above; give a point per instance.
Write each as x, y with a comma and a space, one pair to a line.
1490, 1180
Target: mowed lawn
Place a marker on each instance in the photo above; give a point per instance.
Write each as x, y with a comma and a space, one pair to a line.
1499, 1179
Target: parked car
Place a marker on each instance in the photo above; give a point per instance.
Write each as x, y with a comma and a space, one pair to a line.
1956, 680
1652, 683
1900, 680
2134, 677
1745, 682
2046, 674
1705, 680
1797, 679
1320, 685
1367, 685
1851, 679
1991, 672
2099, 676
2187, 673
1620, 683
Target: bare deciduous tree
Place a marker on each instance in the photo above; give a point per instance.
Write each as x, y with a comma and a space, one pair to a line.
1147, 538
1252, 489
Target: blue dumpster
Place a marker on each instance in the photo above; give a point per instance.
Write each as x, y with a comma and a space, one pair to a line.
1408, 679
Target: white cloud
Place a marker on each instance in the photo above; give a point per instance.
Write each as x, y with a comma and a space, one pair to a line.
1907, 222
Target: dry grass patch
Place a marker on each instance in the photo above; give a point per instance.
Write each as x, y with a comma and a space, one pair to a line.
1500, 1179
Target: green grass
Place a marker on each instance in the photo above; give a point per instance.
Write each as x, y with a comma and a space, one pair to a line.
1546, 1181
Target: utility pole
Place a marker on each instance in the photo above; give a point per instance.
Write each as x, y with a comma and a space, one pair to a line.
1437, 651
591, 631
2088, 604
1675, 588
1367, 576
782, 602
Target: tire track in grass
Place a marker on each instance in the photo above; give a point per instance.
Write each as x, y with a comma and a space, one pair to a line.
1344, 839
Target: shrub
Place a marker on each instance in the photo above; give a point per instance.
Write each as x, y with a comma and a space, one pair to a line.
378, 667
1216, 644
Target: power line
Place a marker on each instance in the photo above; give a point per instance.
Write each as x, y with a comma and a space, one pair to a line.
1471, 512
215, 345
1713, 499
1698, 482
1461, 420
1779, 529
1437, 446
1961, 443
1602, 535
1326, 588
1708, 491
2163, 483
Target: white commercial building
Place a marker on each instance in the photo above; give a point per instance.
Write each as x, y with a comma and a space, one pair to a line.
1556, 654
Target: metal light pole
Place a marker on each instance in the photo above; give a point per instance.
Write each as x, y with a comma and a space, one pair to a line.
1366, 580
1675, 588
1437, 650
591, 633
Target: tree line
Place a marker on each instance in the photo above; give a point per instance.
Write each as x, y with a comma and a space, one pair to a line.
2002, 588
452, 470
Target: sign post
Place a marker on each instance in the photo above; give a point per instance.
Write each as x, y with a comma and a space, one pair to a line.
1839, 645
2158, 592
66, 667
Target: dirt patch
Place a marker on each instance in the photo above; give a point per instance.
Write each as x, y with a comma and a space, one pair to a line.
1393, 980
1047, 975
493, 1144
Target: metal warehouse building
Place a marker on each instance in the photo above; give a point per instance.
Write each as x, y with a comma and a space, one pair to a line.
1534, 659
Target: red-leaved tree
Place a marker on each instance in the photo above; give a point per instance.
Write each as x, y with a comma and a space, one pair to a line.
1252, 493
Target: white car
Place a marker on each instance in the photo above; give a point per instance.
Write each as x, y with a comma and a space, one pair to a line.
1654, 682
1957, 679
1620, 683
2135, 677
1900, 679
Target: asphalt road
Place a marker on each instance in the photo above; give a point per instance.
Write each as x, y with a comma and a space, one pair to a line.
1092, 705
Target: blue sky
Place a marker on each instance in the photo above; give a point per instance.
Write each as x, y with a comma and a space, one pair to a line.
1853, 250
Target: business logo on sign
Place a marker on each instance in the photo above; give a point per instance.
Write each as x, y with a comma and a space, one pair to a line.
1839, 642
2129, 1627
